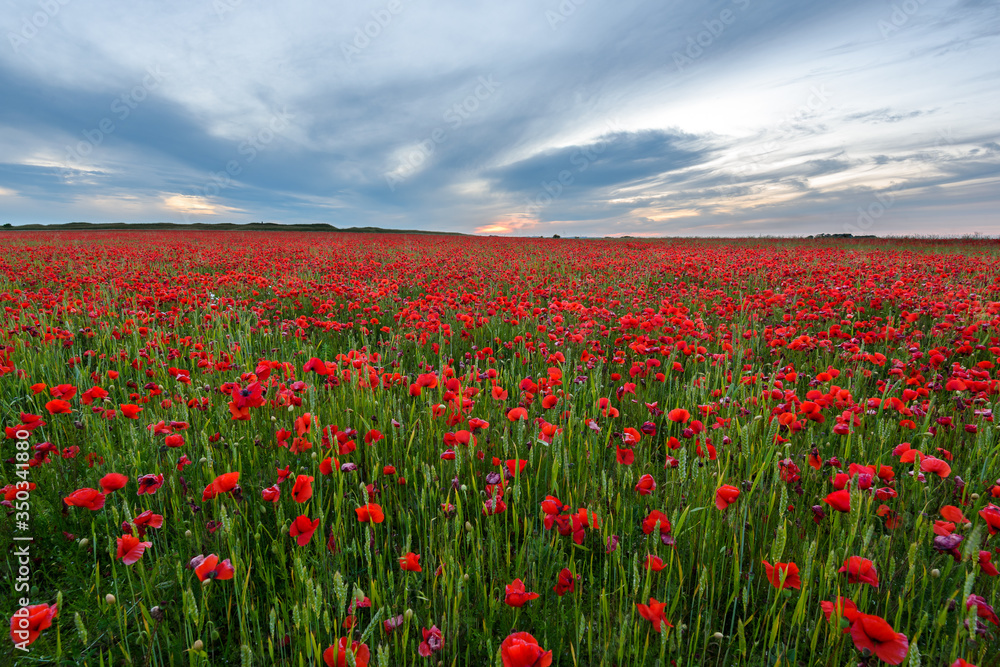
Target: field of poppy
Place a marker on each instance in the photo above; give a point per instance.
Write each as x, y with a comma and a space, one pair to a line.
306, 449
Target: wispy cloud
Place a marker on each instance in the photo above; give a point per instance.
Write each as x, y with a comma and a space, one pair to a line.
638, 117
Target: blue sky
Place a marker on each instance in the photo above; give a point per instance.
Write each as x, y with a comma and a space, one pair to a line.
522, 117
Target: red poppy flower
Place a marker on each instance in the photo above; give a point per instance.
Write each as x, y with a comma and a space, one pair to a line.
842, 608
788, 571
130, 411
303, 528
66, 391
962, 663
515, 466
552, 505
271, 494
516, 596
943, 528
725, 496
336, 655
148, 484
370, 513
433, 642
302, 491
209, 567
936, 466
326, 466
147, 520
520, 649
517, 414
991, 515
130, 549
226, 482
624, 456
565, 582
874, 634
316, 365
654, 614
839, 500
90, 499
27, 623
112, 482
953, 514
654, 563
410, 562
679, 415
984, 562
840, 480
649, 523
646, 485
209, 493
860, 570
58, 407
983, 609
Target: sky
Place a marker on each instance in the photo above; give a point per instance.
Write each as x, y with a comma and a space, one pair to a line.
512, 117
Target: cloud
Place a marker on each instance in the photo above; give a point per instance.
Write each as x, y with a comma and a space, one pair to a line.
884, 115
669, 117
614, 159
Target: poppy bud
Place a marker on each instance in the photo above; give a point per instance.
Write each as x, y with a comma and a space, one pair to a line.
215, 633
935, 573
468, 527
84, 542
109, 598
187, 533
408, 614
197, 645
718, 636
975, 496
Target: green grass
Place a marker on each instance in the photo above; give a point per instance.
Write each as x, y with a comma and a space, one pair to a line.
286, 604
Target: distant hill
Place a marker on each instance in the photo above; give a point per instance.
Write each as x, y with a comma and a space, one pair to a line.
214, 227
